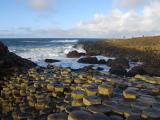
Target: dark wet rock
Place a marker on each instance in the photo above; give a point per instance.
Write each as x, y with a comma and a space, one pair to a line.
75, 54
57, 116
136, 70
147, 100
118, 66
118, 71
10, 62
51, 60
151, 70
70, 109
134, 117
80, 115
139, 106
90, 67
109, 62
102, 61
3, 49
99, 108
91, 60
156, 106
150, 114
144, 70
100, 116
46, 111
118, 62
88, 60
115, 117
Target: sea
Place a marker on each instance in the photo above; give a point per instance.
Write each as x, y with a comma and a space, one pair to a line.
39, 49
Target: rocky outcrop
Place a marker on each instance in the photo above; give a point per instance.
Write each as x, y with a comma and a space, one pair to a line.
10, 62
102, 61
144, 70
51, 60
136, 70
75, 54
118, 62
118, 71
88, 60
91, 60
118, 66
3, 49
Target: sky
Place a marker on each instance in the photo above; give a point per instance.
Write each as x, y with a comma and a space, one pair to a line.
79, 18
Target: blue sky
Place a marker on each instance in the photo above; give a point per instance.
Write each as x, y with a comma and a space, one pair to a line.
77, 18
65, 14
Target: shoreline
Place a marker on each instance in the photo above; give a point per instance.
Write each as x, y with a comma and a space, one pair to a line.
142, 49
54, 92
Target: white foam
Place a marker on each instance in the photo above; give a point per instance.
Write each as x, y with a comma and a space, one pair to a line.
72, 48
38, 55
64, 41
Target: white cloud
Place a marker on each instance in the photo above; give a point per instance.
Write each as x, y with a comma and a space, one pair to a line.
130, 23
116, 24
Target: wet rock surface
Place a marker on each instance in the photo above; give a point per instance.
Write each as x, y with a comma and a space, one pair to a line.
88, 60
91, 60
51, 60
118, 66
144, 70
62, 94
75, 54
118, 62
118, 71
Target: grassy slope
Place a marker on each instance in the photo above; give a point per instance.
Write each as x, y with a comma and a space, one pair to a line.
140, 44
146, 49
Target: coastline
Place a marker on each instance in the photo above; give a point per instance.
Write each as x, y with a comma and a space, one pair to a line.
33, 92
142, 49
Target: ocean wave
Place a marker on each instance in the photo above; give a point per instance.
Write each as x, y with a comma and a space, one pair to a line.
29, 41
64, 41
42, 52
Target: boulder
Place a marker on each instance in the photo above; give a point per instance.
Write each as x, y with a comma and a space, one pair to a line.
118, 66
152, 70
118, 62
118, 71
102, 61
91, 60
75, 54
88, 60
144, 70
109, 62
136, 70
51, 60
